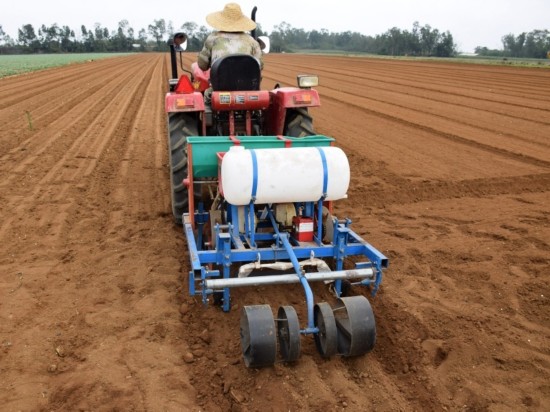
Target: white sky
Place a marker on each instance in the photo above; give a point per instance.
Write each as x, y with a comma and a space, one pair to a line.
471, 22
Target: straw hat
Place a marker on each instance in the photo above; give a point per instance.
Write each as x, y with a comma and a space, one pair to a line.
231, 19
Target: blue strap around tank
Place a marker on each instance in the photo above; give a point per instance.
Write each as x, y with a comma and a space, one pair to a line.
325, 172
254, 175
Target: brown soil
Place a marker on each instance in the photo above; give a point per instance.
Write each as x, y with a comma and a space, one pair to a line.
450, 179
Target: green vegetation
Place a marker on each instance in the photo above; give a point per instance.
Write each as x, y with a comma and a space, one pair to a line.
460, 58
420, 41
535, 44
504, 61
423, 41
63, 39
17, 64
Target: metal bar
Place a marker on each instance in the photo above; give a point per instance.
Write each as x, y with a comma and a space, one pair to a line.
371, 252
251, 231
273, 221
287, 279
190, 188
319, 238
234, 213
248, 123
237, 242
206, 182
248, 255
193, 252
303, 280
226, 238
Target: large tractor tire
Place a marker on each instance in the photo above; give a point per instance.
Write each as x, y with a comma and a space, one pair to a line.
180, 126
298, 123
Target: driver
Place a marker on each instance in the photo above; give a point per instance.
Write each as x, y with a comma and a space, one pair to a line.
230, 37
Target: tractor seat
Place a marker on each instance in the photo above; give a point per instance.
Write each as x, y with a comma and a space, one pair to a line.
236, 72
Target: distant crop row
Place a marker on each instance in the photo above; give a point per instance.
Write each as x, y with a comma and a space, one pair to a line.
17, 64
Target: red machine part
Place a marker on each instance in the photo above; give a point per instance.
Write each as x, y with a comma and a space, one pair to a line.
201, 78
184, 85
285, 98
302, 228
179, 102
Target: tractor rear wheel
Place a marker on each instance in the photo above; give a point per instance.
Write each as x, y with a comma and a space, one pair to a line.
180, 126
298, 123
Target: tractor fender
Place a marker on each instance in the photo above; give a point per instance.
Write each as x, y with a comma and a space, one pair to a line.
178, 102
284, 98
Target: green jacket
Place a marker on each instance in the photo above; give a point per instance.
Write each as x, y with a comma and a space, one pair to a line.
220, 43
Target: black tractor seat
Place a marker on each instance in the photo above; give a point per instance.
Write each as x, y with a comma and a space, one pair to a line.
236, 72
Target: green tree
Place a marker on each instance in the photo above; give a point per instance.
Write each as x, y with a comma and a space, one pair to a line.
101, 41
158, 30
26, 36
428, 40
445, 46
142, 39
122, 39
534, 44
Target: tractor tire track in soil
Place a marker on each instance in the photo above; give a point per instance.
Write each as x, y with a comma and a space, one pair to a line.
450, 179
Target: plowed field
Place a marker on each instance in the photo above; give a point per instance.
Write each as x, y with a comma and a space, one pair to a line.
450, 179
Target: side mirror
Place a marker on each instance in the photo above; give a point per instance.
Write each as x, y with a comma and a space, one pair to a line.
182, 47
265, 44
180, 42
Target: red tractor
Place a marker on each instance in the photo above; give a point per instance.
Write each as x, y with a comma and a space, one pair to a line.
235, 107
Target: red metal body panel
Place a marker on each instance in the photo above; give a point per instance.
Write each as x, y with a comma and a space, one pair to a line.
241, 100
178, 102
296, 97
201, 80
285, 98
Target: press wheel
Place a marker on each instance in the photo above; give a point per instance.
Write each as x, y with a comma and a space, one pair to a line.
356, 325
288, 331
258, 336
326, 339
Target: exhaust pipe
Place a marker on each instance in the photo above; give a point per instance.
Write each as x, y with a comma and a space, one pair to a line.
253, 17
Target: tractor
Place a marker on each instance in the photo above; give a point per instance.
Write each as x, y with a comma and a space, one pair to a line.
253, 186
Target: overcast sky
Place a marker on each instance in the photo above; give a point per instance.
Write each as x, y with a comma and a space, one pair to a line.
471, 22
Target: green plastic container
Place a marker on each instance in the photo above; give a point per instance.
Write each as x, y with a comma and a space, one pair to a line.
204, 149
311, 141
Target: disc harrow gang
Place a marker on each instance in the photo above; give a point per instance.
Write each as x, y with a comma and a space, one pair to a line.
347, 329
288, 332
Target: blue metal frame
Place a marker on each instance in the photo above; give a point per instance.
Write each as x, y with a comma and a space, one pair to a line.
233, 248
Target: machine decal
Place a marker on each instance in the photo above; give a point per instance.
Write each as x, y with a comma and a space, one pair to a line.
225, 98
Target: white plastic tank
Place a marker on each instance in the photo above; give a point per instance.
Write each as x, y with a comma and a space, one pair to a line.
284, 175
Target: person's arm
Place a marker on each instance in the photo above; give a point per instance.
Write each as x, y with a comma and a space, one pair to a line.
257, 52
205, 56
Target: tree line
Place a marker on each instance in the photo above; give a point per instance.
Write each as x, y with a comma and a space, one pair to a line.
418, 41
535, 44
63, 39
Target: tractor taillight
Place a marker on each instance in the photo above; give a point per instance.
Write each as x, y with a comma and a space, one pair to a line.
302, 98
187, 101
